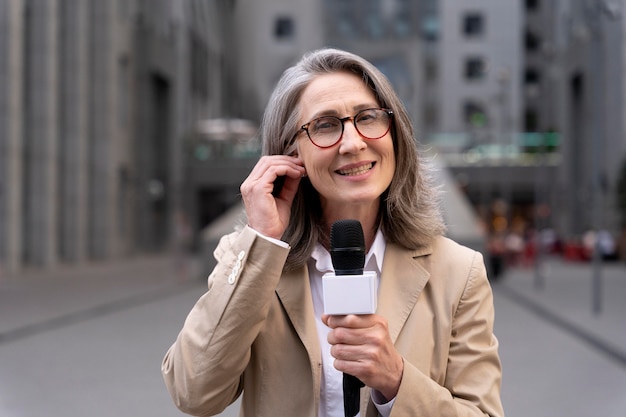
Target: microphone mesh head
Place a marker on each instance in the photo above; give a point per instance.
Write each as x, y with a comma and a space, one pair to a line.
347, 246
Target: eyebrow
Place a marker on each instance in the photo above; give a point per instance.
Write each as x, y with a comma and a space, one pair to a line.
335, 113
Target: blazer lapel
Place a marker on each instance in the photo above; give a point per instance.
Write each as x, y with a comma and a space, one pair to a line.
294, 292
402, 280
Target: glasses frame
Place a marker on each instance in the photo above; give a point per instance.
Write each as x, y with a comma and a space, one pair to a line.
343, 120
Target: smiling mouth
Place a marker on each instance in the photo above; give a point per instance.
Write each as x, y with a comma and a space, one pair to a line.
357, 170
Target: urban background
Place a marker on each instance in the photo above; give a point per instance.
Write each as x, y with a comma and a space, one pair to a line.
121, 119
127, 126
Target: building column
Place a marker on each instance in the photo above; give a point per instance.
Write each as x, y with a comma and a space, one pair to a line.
73, 130
101, 149
11, 50
40, 132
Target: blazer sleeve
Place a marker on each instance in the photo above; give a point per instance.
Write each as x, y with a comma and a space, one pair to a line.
473, 375
203, 368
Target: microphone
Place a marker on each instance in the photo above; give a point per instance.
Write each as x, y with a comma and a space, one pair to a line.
349, 290
347, 247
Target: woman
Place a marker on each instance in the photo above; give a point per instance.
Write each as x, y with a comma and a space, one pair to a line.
338, 138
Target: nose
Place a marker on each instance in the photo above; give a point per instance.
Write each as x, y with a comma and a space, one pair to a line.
351, 140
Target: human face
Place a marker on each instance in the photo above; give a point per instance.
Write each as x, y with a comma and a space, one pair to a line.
351, 175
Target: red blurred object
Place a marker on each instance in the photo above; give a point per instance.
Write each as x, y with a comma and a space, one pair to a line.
574, 251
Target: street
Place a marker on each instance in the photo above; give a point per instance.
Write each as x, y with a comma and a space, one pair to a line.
95, 349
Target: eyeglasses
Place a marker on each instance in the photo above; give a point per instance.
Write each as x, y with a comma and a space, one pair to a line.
326, 131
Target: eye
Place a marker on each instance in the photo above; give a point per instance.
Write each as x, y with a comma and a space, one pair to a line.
325, 125
367, 116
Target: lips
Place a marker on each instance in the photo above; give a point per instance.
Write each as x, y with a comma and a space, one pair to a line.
361, 169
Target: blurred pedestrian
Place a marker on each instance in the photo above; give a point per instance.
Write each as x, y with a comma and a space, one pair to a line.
340, 139
514, 246
620, 246
496, 249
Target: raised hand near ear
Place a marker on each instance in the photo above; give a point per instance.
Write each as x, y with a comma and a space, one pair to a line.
268, 210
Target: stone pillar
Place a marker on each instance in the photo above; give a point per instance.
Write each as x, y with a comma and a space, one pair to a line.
101, 151
11, 70
40, 132
73, 128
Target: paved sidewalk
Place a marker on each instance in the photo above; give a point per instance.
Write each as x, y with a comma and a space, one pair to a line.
563, 293
89, 340
560, 358
36, 299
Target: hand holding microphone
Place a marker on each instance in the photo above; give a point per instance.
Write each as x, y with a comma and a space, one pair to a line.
360, 339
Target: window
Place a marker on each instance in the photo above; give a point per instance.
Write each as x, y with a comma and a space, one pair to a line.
531, 120
284, 28
430, 115
341, 21
124, 90
532, 76
430, 27
532, 5
475, 68
532, 82
403, 19
402, 26
532, 42
430, 70
346, 27
198, 66
474, 114
473, 25
375, 27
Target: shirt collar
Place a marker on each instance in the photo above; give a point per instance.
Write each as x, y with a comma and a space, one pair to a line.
373, 259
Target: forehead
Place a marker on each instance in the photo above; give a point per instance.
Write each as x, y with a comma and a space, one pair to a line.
336, 93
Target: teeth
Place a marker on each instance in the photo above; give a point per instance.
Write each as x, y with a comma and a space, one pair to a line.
356, 171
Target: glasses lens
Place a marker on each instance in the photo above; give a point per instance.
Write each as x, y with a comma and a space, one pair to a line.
325, 131
372, 123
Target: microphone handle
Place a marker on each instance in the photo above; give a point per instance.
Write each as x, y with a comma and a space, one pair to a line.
352, 394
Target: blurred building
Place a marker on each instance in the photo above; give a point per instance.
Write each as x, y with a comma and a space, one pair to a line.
496, 83
95, 97
100, 102
263, 40
573, 89
588, 81
480, 62
456, 65
530, 107
272, 35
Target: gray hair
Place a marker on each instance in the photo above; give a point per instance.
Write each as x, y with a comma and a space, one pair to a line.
409, 214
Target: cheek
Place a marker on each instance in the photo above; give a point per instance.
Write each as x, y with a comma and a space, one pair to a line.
317, 175
389, 156
392, 158
316, 161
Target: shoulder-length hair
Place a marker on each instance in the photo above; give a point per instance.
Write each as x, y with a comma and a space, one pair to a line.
409, 214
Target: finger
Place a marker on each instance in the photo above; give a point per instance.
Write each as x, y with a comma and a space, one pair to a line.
368, 329
268, 168
352, 321
260, 181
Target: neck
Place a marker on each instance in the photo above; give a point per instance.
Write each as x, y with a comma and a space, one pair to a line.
369, 223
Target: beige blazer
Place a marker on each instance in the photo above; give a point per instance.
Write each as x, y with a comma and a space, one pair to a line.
254, 331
